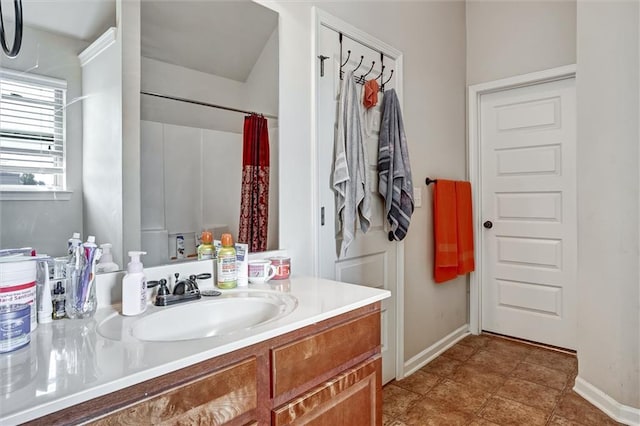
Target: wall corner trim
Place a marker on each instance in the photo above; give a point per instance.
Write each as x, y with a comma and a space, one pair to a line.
430, 353
617, 411
95, 48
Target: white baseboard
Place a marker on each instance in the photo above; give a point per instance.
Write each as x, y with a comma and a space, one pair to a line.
424, 357
619, 412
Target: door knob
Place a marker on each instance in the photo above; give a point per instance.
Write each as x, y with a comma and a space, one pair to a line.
488, 224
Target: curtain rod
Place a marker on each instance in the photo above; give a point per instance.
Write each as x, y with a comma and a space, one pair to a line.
190, 101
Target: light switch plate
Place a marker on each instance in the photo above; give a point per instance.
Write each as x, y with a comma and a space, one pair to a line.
417, 197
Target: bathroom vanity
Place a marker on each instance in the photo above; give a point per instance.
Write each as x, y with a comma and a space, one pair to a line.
318, 364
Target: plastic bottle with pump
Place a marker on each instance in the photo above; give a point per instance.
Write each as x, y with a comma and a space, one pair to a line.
227, 272
134, 286
73, 242
106, 263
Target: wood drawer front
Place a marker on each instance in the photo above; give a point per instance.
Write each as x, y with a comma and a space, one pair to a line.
299, 362
214, 399
352, 398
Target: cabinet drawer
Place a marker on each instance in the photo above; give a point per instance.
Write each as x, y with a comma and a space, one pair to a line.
352, 398
214, 399
299, 362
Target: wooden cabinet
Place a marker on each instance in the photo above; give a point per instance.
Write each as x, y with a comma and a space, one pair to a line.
327, 373
352, 398
215, 399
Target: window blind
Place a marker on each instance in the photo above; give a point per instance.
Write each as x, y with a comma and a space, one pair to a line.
32, 129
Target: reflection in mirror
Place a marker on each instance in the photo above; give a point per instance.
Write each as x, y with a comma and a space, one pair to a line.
191, 154
41, 188
190, 49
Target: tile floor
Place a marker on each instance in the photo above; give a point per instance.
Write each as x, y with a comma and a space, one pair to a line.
488, 380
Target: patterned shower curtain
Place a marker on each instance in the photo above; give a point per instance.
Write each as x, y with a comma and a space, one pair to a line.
254, 208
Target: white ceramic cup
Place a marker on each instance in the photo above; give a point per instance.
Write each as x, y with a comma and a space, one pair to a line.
261, 271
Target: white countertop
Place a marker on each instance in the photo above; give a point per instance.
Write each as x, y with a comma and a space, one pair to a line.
69, 362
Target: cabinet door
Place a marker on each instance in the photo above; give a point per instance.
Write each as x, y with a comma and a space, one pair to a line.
225, 396
352, 398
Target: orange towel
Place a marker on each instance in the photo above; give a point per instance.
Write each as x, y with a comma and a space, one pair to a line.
465, 228
453, 230
445, 230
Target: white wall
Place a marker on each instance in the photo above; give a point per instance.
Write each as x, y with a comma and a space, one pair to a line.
507, 38
608, 198
432, 37
111, 155
46, 225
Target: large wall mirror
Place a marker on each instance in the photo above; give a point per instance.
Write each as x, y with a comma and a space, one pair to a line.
213, 52
196, 54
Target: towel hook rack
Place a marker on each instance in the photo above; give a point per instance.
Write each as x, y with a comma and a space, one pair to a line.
429, 181
387, 80
381, 72
347, 60
362, 77
361, 59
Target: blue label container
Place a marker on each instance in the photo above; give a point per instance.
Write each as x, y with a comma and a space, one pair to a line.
15, 327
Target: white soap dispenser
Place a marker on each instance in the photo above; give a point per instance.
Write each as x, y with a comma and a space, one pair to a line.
134, 286
106, 263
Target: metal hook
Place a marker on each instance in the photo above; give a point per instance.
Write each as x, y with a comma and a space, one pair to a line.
348, 56
390, 75
381, 72
361, 79
356, 68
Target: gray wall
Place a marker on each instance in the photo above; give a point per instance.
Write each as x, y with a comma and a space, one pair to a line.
46, 225
506, 38
608, 198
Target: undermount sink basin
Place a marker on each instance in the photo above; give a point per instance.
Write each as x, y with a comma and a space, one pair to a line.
222, 315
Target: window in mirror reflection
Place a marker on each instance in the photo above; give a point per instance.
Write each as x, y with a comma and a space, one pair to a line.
32, 129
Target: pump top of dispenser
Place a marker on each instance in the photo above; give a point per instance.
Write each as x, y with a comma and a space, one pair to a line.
58, 289
135, 266
107, 257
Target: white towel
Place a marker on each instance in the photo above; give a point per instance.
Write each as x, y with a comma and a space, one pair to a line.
350, 181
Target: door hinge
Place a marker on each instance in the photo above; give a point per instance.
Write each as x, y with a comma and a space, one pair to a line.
322, 216
322, 59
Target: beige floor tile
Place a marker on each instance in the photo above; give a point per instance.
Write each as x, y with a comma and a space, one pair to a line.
506, 412
561, 421
541, 375
396, 400
427, 412
419, 382
482, 422
475, 341
495, 362
458, 396
554, 360
442, 366
532, 394
573, 407
507, 347
478, 377
460, 352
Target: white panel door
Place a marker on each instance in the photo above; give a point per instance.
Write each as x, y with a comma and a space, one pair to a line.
528, 149
371, 258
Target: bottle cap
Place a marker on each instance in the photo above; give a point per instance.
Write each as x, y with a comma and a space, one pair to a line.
207, 237
226, 240
76, 235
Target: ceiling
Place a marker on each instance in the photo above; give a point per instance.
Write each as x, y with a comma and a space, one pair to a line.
82, 19
224, 38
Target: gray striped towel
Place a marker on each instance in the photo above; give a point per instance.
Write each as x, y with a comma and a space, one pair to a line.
394, 171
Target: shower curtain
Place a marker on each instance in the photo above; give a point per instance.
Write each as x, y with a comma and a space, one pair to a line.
254, 208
